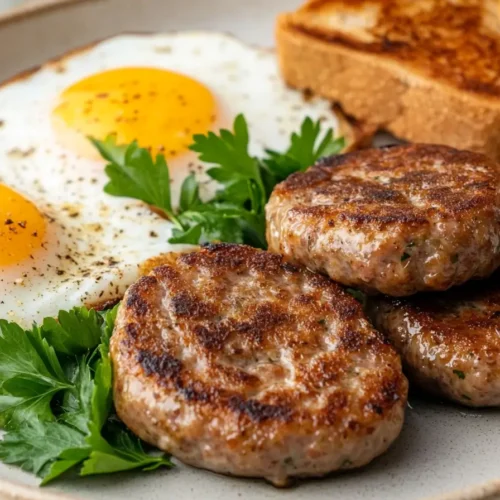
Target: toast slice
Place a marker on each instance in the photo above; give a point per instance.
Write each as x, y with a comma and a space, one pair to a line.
426, 70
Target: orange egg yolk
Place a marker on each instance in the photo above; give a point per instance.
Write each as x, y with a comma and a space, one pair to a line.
22, 227
159, 109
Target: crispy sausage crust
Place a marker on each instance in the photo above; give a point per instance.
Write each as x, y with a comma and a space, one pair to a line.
449, 342
393, 220
235, 361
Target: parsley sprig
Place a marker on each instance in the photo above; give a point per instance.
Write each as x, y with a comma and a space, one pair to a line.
56, 399
236, 213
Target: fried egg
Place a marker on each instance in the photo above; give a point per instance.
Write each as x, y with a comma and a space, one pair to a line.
63, 241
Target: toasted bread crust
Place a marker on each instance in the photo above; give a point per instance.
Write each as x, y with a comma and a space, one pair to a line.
378, 89
395, 220
456, 43
224, 357
449, 342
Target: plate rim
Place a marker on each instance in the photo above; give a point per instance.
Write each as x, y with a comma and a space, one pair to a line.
11, 490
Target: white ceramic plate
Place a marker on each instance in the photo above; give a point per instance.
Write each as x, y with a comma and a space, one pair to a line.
442, 448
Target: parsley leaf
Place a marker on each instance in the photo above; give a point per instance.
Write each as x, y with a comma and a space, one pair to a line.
61, 332
358, 295
208, 225
229, 151
190, 194
77, 403
190, 236
234, 168
133, 173
119, 452
36, 446
236, 213
56, 399
24, 397
220, 221
30, 374
109, 317
306, 148
65, 461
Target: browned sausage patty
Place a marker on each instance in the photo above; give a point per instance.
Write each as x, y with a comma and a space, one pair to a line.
394, 220
450, 342
235, 361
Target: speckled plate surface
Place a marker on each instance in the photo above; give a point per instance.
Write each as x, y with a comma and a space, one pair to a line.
443, 452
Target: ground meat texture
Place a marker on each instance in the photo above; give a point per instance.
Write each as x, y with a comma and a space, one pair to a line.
393, 220
233, 360
449, 342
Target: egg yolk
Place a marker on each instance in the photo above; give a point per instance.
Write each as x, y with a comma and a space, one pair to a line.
159, 109
22, 227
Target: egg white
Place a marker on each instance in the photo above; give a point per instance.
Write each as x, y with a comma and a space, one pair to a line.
95, 242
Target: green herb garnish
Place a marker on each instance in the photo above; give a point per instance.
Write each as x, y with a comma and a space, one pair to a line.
305, 149
459, 373
56, 399
236, 213
407, 254
358, 295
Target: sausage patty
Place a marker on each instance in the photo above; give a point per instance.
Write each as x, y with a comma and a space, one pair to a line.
235, 361
393, 220
449, 342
